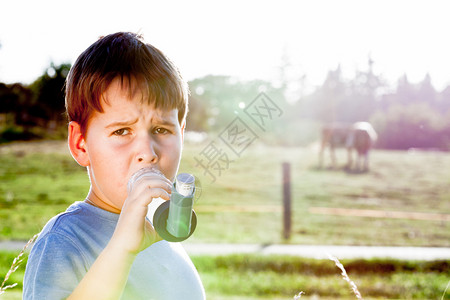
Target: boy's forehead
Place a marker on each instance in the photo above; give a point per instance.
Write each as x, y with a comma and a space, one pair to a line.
119, 100
124, 96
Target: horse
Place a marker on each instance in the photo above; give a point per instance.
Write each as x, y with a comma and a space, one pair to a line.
359, 137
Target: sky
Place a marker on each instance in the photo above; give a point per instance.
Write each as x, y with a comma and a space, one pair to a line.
246, 39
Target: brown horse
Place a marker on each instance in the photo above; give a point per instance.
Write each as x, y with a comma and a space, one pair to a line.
359, 136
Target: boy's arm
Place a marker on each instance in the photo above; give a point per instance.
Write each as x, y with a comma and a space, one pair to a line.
107, 277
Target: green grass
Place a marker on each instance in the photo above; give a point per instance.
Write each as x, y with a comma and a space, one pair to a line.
14, 294
398, 181
40, 181
35, 186
6, 259
282, 277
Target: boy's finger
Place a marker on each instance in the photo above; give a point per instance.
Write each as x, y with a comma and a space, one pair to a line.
159, 193
146, 196
143, 186
151, 182
151, 179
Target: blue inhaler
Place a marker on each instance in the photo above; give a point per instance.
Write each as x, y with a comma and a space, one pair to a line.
175, 220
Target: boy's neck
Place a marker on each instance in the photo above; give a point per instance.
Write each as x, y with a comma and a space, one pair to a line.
92, 199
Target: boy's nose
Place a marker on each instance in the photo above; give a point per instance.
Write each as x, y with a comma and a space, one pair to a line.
147, 151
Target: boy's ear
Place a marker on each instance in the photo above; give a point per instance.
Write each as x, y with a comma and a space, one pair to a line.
183, 127
77, 144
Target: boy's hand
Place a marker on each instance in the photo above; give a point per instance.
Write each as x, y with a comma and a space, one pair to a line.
133, 232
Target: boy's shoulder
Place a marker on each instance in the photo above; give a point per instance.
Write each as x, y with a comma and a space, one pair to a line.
66, 245
79, 212
79, 222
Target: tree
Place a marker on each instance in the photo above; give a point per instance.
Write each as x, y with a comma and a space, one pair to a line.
49, 91
327, 99
426, 91
443, 101
197, 118
363, 96
221, 98
15, 102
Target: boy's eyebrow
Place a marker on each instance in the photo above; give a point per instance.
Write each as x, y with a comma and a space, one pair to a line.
122, 123
163, 121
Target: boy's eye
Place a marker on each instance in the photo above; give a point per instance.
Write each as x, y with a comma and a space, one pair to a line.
160, 130
122, 131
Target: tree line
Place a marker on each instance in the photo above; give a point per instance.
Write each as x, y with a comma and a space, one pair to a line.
34, 111
410, 115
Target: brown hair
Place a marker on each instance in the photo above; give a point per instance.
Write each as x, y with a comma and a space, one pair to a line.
126, 56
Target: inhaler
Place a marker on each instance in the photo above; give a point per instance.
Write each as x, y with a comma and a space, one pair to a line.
174, 220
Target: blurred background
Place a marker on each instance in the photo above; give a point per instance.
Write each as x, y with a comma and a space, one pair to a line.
318, 63
322, 62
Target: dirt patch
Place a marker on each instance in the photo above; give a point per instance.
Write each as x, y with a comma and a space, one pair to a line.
379, 214
238, 208
23, 148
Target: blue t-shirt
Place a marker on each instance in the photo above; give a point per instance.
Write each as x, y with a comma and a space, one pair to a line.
70, 243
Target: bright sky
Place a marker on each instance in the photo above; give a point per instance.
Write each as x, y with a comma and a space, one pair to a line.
244, 38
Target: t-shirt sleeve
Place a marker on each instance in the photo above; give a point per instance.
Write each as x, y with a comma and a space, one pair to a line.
55, 267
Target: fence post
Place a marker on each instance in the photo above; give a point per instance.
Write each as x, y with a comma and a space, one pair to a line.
286, 200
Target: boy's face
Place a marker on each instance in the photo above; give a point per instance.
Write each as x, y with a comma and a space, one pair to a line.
128, 136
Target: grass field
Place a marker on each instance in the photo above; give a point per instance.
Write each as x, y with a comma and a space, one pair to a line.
246, 277
243, 205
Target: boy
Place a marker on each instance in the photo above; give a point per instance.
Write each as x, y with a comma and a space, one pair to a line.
127, 105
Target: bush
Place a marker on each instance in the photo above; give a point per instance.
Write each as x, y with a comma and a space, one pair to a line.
411, 126
16, 133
